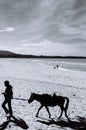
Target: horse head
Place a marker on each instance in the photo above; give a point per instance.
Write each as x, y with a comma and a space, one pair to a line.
31, 98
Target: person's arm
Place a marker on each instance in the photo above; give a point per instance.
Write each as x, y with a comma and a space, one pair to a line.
3, 93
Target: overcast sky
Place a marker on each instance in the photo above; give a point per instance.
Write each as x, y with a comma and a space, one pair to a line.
48, 27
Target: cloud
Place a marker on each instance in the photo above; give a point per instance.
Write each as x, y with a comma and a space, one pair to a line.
7, 29
31, 21
10, 29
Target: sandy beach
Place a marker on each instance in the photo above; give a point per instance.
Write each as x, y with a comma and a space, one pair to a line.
39, 76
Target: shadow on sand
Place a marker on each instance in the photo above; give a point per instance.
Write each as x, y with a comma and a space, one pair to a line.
80, 124
17, 121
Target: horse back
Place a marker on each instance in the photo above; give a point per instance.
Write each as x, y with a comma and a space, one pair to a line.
58, 100
47, 96
45, 99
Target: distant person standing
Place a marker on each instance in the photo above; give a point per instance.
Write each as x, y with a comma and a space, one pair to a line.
56, 66
8, 95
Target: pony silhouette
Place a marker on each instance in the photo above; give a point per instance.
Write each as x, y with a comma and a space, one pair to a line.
48, 100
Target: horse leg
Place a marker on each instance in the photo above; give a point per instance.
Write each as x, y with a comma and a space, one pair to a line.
61, 112
48, 111
38, 111
66, 107
65, 110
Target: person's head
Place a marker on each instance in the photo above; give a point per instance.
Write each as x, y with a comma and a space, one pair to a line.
6, 83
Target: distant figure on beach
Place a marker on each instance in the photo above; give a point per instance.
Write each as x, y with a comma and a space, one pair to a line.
8, 95
56, 67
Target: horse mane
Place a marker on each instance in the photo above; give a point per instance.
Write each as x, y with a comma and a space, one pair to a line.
45, 95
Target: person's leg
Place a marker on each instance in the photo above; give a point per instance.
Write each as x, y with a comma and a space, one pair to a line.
4, 107
10, 107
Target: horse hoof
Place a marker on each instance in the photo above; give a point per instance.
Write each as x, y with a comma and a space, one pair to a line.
36, 115
68, 119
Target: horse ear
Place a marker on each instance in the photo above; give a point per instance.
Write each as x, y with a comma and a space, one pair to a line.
54, 93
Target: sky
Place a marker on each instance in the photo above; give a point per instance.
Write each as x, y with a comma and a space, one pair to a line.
43, 27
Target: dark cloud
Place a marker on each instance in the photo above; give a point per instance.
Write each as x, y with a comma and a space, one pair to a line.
79, 3
17, 11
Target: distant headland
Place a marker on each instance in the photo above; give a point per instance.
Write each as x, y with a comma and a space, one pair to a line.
9, 54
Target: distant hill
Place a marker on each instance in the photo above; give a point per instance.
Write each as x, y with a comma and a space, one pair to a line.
8, 54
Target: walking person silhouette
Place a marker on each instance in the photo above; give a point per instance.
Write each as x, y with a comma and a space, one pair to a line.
8, 95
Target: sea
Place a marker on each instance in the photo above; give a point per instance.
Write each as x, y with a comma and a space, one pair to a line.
66, 64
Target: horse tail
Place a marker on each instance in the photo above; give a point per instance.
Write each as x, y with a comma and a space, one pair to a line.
67, 103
